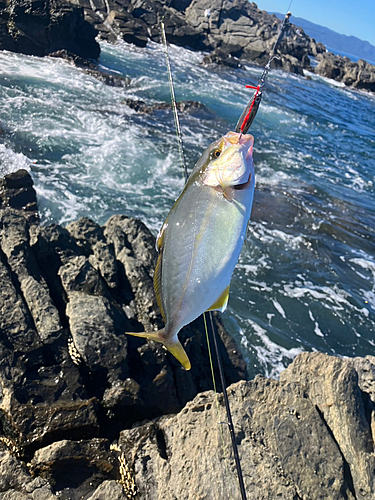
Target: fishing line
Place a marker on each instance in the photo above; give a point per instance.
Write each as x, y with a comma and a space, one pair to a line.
173, 100
219, 362
229, 413
216, 393
248, 115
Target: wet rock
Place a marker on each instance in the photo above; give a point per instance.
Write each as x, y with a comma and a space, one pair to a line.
43, 398
66, 394
92, 68
40, 27
228, 30
188, 107
76, 465
360, 75
17, 192
220, 59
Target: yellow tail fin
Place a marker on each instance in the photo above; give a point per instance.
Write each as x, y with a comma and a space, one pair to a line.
174, 348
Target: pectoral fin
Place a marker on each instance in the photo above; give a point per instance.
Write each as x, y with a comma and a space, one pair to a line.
174, 348
221, 303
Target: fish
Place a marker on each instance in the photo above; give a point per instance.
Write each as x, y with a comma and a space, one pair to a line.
201, 239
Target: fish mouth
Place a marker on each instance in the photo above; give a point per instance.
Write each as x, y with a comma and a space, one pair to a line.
245, 141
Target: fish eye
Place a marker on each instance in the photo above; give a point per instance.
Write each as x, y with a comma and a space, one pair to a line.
216, 153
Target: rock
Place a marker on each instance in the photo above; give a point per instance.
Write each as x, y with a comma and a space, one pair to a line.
77, 290
220, 60
360, 75
41, 27
17, 192
188, 107
18, 484
332, 386
229, 30
92, 68
76, 465
306, 436
15, 246
73, 383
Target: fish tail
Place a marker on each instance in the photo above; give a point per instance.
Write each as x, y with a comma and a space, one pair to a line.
174, 347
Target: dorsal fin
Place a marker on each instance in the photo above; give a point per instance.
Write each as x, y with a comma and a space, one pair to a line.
160, 236
157, 283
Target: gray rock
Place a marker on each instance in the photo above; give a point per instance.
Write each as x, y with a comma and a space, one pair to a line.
14, 243
77, 466
306, 436
109, 490
96, 333
332, 386
360, 75
17, 192
39, 28
67, 368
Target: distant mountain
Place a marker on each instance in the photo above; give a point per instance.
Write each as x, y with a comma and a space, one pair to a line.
343, 44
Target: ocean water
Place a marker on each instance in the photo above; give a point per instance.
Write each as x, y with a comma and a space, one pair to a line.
305, 278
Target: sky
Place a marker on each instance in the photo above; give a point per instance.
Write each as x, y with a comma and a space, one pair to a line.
345, 17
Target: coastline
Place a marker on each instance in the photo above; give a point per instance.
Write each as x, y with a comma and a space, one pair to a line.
229, 32
88, 412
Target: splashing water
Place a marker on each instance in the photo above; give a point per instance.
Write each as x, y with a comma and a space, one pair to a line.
305, 280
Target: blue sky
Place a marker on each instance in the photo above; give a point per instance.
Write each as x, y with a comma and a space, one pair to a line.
348, 18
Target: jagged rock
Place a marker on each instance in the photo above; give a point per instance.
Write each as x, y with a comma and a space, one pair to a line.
40, 27
43, 397
66, 395
68, 296
17, 192
306, 436
360, 75
15, 246
81, 465
332, 386
16, 482
228, 29
220, 60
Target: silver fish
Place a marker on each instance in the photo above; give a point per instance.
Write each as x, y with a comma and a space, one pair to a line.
201, 239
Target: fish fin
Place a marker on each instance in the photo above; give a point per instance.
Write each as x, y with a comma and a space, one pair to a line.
157, 284
228, 193
175, 348
160, 236
179, 353
222, 302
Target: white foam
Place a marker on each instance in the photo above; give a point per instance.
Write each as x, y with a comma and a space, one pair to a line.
279, 308
272, 357
11, 161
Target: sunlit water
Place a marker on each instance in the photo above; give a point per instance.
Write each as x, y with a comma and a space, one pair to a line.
305, 280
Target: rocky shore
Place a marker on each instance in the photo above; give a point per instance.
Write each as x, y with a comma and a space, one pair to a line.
229, 31
88, 412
